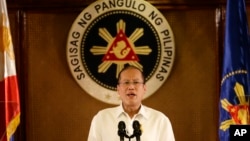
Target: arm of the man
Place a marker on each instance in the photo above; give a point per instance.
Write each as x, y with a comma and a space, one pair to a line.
93, 131
167, 133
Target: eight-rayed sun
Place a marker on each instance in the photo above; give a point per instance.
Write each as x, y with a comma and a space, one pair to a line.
120, 49
239, 113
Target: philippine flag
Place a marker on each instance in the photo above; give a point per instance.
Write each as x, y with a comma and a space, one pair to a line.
9, 92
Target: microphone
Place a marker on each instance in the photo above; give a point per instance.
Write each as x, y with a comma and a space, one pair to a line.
121, 130
137, 130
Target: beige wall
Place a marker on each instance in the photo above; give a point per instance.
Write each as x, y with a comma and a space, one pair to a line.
55, 108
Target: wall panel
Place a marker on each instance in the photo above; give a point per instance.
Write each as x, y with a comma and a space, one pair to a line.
189, 95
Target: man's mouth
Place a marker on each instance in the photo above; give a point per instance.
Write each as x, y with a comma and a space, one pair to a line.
131, 94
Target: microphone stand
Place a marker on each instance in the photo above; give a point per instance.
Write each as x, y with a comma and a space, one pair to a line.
137, 130
122, 132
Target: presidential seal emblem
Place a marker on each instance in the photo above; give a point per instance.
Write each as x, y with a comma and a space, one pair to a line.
109, 34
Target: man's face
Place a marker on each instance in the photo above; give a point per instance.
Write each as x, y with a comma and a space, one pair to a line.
131, 87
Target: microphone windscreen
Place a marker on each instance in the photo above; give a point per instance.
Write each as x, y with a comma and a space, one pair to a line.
121, 125
136, 124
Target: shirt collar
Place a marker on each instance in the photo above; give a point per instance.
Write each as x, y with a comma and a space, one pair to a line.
143, 112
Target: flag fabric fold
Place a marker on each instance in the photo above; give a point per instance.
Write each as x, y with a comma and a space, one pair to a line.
235, 69
9, 92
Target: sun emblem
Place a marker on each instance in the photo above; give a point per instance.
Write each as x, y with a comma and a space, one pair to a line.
120, 49
106, 36
5, 39
240, 112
